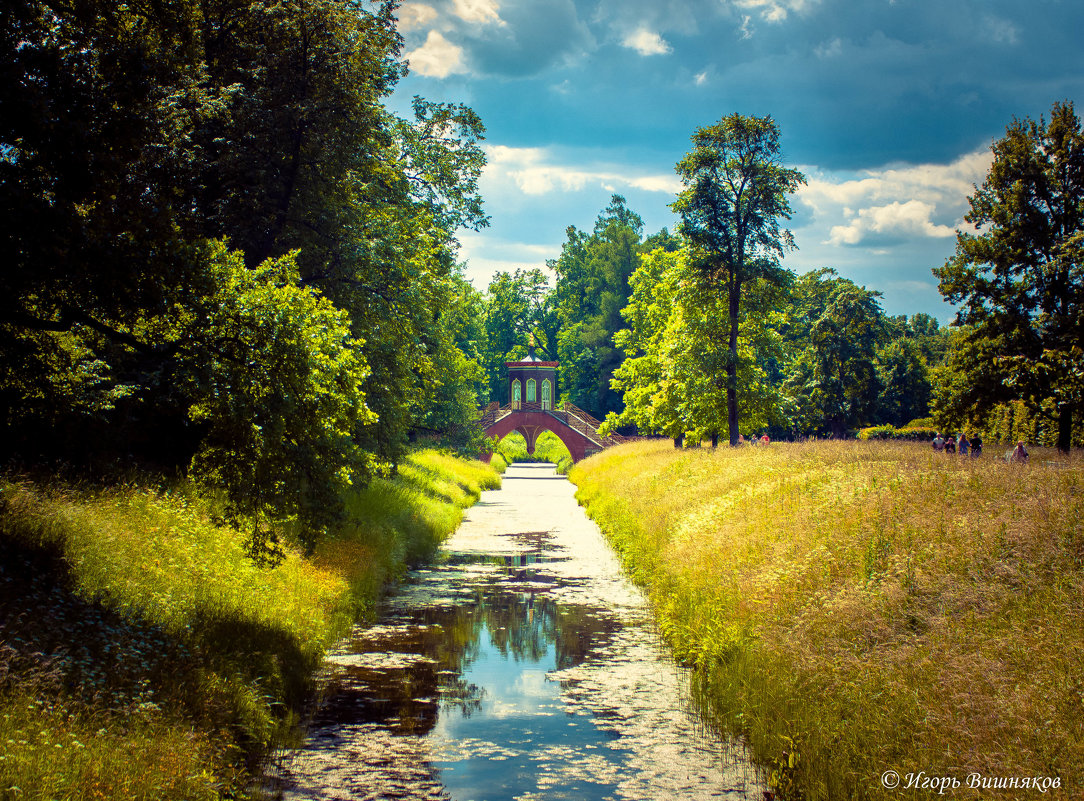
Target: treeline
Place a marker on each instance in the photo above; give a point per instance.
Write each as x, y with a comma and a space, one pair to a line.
221, 251
704, 334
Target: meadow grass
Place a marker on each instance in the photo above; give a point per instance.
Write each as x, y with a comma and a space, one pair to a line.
548, 448
852, 608
143, 654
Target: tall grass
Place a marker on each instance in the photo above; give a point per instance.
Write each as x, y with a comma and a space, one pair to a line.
548, 448
853, 608
142, 652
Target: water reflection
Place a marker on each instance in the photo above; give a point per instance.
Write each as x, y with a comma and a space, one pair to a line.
521, 666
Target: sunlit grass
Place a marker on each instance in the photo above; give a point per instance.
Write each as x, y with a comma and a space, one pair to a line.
858, 607
548, 448
143, 645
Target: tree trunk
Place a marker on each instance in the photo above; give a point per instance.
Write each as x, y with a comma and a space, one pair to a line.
732, 366
678, 440
715, 440
1065, 428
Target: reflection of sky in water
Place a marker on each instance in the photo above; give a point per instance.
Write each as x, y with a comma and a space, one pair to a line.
522, 666
505, 749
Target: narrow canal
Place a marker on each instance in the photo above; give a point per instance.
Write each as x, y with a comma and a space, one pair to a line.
522, 665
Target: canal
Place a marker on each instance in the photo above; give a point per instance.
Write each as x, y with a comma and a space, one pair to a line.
520, 665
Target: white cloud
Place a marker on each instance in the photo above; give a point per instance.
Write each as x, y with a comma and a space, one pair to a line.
701, 78
926, 200
533, 173
485, 256
773, 10
831, 49
437, 58
478, 11
647, 43
415, 15
909, 219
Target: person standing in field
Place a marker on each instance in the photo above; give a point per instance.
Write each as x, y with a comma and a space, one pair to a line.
976, 447
963, 444
950, 444
1019, 454
938, 443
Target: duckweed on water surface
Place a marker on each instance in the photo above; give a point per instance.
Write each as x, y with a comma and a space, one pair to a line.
855, 608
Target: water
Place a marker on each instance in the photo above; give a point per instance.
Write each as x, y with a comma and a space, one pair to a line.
523, 665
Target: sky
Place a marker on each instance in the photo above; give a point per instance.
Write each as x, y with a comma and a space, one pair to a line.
889, 108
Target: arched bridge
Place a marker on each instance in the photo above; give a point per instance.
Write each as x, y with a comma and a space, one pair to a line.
577, 429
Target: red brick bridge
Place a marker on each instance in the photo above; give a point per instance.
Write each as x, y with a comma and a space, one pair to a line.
577, 429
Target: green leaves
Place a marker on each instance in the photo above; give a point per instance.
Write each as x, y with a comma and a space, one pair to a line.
1018, 278
276, 388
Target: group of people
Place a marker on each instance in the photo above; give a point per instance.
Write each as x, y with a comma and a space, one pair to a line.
965, 446
951, 444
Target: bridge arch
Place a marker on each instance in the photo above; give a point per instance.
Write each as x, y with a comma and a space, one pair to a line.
530, 424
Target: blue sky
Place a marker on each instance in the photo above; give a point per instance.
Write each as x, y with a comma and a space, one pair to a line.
888, 106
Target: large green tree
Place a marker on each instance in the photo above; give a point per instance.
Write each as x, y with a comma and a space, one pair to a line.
1018, 278
519, 313
150, 153
673, 356
834, 333
735, 195
592, 287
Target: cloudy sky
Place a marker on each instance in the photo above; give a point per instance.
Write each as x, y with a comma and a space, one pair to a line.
888, 106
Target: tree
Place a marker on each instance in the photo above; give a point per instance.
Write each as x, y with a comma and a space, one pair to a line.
592, 288
183, 181
836, 333
1019, 277
519, 311
672, 355
736, 193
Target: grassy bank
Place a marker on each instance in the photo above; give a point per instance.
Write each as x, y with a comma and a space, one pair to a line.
548, 448
143, 655
853, 608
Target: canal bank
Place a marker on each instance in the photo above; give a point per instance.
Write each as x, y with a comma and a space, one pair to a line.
522, 665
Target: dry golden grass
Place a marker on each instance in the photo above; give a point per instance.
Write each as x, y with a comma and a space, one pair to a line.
859, 607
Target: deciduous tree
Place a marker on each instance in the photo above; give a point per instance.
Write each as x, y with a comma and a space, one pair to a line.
735, 195
1019, 277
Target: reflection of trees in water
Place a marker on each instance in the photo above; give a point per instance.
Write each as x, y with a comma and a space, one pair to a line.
523, 625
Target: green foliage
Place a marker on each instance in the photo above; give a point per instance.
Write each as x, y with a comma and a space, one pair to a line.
837, 328
278, 431
917, 433
1019, 277
593, 287
137, 139
548, 448
519, 312
735, 194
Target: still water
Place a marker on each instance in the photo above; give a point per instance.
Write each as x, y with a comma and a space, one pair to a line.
522, 665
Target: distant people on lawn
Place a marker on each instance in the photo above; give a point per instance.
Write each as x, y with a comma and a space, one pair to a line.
963, 444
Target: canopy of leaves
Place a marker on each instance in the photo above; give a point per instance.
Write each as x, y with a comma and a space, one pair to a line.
735, 195
219, 244
1019, 278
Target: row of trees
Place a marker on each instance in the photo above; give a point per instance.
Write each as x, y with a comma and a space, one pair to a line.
220, 249
706, 334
